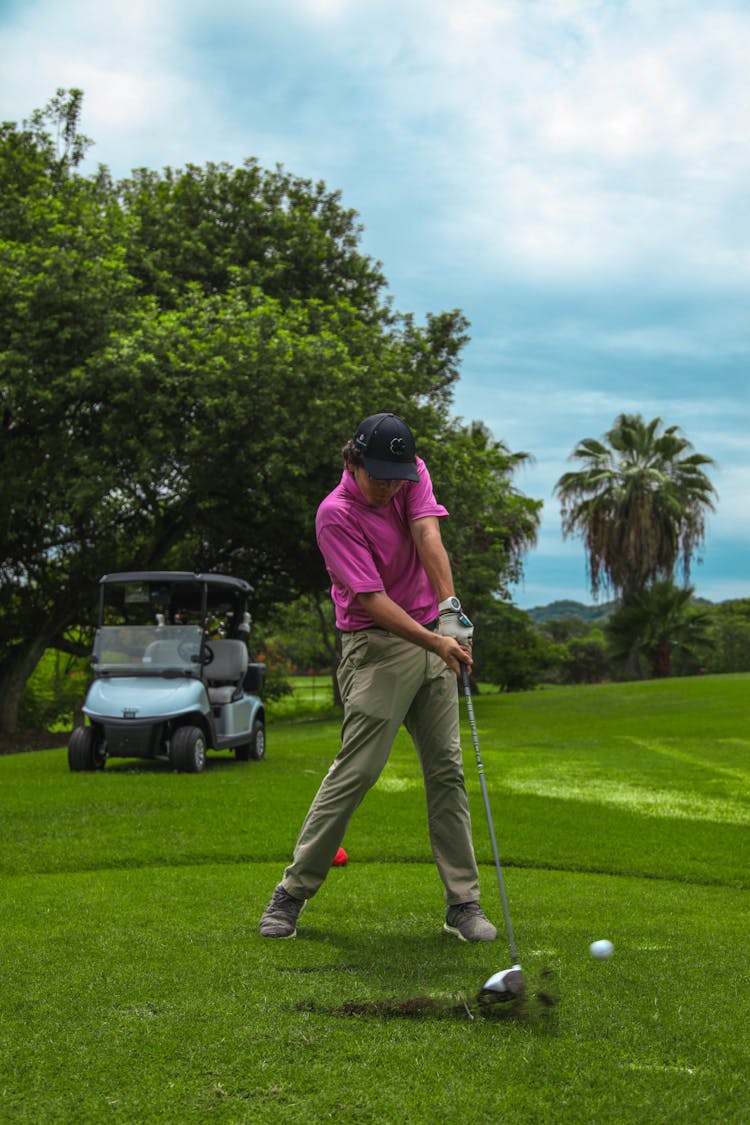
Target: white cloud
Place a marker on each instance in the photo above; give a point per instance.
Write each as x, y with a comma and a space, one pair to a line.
576, 146
733, 487
326, 10
568, 138
120, 54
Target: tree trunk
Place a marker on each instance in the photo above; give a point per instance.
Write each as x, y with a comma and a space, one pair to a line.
14, 674
662, 662
633, 666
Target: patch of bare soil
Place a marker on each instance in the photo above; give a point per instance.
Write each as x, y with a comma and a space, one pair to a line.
23, 740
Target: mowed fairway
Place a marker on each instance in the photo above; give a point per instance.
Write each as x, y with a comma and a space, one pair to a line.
134, 986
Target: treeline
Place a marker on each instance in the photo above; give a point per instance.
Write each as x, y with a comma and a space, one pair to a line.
515, 652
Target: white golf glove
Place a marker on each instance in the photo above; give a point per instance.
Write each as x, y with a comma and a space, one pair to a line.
453, 622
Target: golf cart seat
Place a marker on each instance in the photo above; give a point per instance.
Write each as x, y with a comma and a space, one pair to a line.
162, 652
225, 673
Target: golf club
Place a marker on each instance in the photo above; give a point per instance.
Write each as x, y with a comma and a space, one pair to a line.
509, 983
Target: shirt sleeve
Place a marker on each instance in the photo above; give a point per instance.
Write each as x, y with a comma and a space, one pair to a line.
348, 559
419, 498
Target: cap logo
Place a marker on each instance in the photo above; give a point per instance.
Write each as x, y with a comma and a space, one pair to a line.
397, 447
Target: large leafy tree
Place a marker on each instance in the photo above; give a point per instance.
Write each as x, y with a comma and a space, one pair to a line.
181, 357
729, 650
218, 226
639, 502
492, 524
64, 289
509, 650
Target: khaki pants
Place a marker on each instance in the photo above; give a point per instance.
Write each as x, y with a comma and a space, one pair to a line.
386, 681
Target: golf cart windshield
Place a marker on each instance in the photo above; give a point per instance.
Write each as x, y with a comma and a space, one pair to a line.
216, 602
144, 650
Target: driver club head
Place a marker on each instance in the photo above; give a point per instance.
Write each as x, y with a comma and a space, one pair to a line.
509, 984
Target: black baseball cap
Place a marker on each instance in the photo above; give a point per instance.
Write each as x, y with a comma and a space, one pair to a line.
387, 447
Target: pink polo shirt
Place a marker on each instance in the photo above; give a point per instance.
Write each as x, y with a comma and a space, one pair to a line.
368, 549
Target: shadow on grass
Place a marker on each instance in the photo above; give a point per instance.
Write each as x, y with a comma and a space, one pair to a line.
162, 765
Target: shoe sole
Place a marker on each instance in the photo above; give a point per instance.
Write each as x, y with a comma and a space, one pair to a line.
280, 937
457, 933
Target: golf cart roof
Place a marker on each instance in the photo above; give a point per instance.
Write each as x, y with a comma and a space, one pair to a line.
169, 576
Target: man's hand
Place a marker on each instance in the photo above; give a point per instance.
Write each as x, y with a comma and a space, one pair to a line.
452, 652
387, 615
453, 622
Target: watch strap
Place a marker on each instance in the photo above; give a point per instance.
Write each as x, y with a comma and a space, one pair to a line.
450, 605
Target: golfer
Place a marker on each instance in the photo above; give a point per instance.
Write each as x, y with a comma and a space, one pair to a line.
403, 640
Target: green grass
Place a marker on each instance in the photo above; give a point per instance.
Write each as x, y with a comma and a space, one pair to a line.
311, 697
134, 987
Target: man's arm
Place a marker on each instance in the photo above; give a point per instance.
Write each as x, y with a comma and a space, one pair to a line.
388, 615
433, 555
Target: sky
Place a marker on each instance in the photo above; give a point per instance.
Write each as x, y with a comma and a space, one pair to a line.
573, 175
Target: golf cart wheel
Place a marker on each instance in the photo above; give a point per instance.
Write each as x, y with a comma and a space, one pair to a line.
85, 750
256, 747
188, 751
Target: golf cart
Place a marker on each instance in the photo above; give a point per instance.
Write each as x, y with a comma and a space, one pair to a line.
171, 673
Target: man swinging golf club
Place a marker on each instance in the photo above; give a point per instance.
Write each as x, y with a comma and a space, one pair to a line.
404, 639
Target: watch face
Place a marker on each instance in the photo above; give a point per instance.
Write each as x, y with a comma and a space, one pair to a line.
455, 604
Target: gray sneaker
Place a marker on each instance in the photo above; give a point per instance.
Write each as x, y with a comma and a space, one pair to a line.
279, 919
467, 922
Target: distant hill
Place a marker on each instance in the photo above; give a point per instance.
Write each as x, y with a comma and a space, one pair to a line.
555, 611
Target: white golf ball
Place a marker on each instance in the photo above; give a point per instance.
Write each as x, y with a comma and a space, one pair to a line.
601, 949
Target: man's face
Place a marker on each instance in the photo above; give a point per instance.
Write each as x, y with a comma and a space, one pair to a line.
377, 493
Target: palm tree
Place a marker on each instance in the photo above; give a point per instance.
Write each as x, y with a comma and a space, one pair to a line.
659, 624
639, 502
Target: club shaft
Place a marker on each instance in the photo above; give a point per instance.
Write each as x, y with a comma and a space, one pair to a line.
490, 825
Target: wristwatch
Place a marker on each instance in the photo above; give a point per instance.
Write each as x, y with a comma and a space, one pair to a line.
451, 605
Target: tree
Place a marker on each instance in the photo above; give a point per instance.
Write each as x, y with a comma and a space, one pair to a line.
584, 659
729, 630
63, 290
563, 629
656, 626
147, 428
219, 227
639, 503
492, 524
304, 633
181, 358
508, 648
